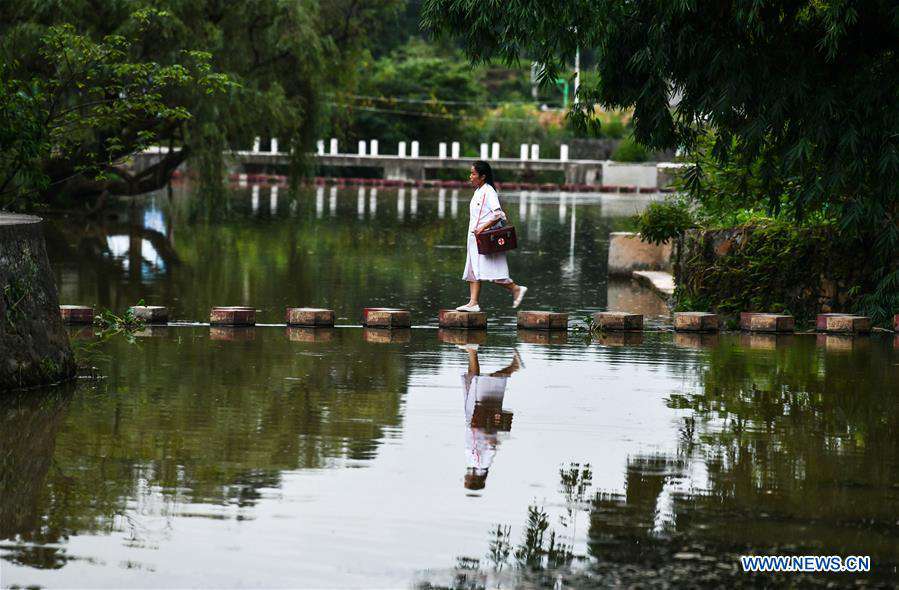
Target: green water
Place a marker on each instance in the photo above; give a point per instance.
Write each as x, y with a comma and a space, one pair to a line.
276, 457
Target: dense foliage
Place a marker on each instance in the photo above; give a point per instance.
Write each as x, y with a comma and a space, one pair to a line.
265, 62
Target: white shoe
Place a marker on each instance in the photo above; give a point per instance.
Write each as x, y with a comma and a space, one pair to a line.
521, 291
469, 308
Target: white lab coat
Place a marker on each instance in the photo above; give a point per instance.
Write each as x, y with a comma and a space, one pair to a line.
484, 267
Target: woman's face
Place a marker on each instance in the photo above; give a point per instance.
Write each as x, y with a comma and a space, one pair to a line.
475, 179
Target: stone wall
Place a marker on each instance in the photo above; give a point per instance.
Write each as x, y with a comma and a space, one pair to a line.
803, 271
34, 346
627, 253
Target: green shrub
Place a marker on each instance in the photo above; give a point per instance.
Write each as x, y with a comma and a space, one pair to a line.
613, 129
663, 221
630, 151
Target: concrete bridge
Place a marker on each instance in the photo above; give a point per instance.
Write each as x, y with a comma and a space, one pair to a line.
409, 164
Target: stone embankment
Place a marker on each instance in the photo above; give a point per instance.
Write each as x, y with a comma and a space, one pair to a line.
649, 264
34, 347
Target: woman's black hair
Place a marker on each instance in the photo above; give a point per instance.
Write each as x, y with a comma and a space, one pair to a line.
484, 169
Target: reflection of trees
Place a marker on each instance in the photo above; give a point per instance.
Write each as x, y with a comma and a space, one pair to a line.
29, 424
800, 450
190, 420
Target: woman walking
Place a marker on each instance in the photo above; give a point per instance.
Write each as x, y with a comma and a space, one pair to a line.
483, 211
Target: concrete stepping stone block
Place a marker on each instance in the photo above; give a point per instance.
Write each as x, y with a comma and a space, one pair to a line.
695, 321
543, 336
542, 320
821, 320
848, 324
752, 321
151, 314
310, 316
76, 314
232, 333
465, 320
461, 336
386, 317
617, 339
232, 316
766, 340
310, 334
617, 320
387, 335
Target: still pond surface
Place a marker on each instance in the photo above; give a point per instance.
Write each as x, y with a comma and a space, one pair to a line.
276, 457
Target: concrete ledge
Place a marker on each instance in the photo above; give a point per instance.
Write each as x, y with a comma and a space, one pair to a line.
627, 253
617, 320
542, 320
468, 320
151, 314
386, 317
232, 316
310, 316
695, 321
659, 281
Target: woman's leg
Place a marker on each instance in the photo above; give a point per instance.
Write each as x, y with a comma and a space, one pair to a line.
474, 289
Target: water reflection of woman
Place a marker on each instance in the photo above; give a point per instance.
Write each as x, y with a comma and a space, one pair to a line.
484, 211
484, 415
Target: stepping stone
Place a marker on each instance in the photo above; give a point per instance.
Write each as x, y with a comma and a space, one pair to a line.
848, 324
76, 314
310, 316
618, 339
766, 322
151, 314
543, 336
821, 320
542, 320
232, 333
387, 335
695, 339
308, 334
617, 320
695, 321
232, 316
386, 317
467, 320
461, 336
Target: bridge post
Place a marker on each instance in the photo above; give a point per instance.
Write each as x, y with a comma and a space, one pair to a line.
274, 145
483, 151
415, 149
524, 152
361, 147
401, 149
320, 147
441, 150
333, 146
374, 147
256, 142
535, 151
563, 152
494, 151
455, 152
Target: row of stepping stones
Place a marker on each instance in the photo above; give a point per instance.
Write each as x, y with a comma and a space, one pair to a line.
385, 317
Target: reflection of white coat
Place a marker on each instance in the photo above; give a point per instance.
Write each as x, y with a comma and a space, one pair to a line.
484, 206
480, 446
